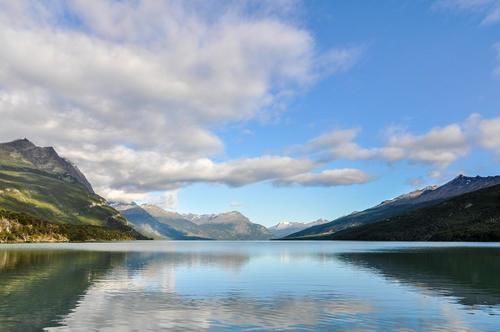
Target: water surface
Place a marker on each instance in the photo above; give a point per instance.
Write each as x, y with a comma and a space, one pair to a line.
155, 285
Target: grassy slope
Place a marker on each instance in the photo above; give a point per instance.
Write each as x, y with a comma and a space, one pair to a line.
46, 196
54, 198
470, 217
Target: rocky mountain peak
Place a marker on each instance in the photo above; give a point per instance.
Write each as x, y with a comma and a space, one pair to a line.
46, 159
21, 144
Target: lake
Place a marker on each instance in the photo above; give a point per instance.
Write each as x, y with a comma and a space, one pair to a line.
209, 285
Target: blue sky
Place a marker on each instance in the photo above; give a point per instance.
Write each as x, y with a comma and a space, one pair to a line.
421, 68
283, 110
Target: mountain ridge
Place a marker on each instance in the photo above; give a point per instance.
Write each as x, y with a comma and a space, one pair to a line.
473, 216
44, 159
231, 225
145, 223
286, 228
42, 187
407, 202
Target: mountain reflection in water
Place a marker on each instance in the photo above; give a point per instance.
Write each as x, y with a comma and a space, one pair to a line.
469, 274
248, 285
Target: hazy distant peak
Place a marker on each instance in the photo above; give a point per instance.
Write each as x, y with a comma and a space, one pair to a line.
285, 228
294, 224
224, 217
122, 206
231, 214
287, 224
157, 211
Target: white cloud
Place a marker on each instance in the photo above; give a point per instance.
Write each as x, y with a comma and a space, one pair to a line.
337, 144
438, 147
141, 171
123, 196
486, 132
131, 90
328, 178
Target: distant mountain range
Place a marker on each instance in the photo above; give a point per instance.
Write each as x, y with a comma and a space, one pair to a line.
285, 228
406, 207
158, 223
44, 197
39, 191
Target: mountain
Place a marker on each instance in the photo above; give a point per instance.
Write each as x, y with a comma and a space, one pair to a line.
229, 226
26, 154
38, 184
473, 216
159, 223
400, 205
285, 228
175, 220
149, 225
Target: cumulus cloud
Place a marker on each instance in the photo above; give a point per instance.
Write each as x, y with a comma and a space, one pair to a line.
328, 178
143, 171
438, 147
486, 132
131, 90
338, 144
136, 173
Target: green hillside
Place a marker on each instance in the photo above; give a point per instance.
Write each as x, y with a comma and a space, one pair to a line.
49, 197
36, 182
18, 227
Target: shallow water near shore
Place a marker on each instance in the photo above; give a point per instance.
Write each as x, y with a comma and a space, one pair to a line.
210, 285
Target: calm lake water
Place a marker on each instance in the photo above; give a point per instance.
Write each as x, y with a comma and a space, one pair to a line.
158, 285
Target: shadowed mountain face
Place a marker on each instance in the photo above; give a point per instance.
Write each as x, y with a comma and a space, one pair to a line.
171, 225
36, 182
473, 216
148, 225
174, 220
468, 274
401, 205
229, 226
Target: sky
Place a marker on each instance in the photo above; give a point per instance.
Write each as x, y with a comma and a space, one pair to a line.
285, 110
